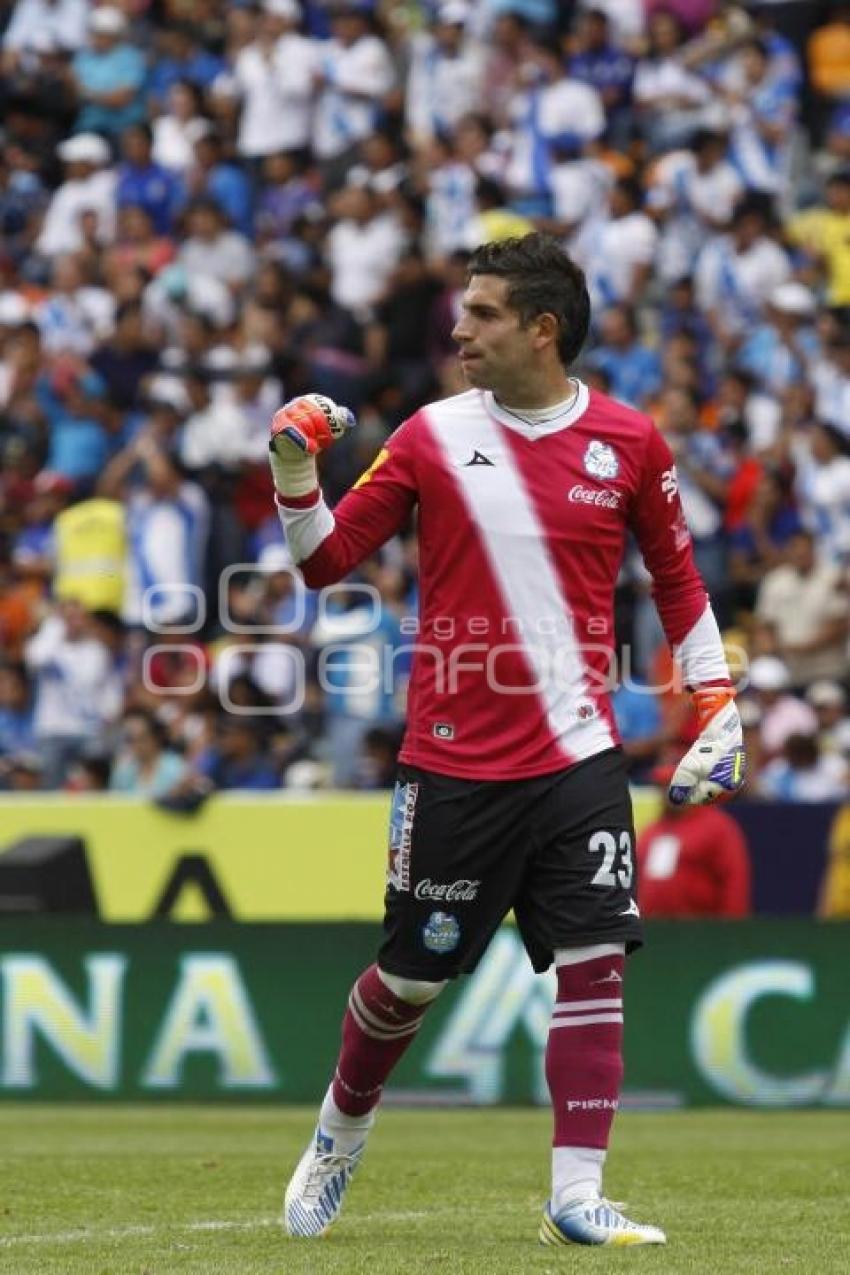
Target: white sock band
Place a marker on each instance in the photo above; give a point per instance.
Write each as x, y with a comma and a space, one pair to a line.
412, 990
575, 955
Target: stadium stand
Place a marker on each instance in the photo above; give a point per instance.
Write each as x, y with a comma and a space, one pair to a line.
209, 208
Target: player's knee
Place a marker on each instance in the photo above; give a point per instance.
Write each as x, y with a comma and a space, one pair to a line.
413, 990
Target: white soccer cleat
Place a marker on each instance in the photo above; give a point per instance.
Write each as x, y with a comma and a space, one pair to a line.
314, 1196
595, 1222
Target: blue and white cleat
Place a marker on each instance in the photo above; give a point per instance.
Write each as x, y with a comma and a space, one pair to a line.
595, 1222
314, 1196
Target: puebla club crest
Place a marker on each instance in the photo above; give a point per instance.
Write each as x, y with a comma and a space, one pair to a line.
600, 460
441, 933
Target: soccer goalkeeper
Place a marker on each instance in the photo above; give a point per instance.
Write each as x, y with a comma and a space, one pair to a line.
512, 789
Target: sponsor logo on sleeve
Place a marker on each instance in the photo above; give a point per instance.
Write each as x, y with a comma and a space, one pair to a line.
670, 484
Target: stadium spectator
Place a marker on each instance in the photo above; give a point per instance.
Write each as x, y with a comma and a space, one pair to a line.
63, 21
737, 271
829, 700
89, 187
354, 76
178, 129
822, 234
807, 604
235, 759
823, 485
670, 99
145, 184
834, 899
758, 541
597, 60
632, 369
782, 714
77, 689
16, 711
144, 766
779, 351
213, 251
803, 773
274, 76
692, 193
549, 114
167, 524
617, 250
212, 177
445, 79
363, 249
110, 75
693, 862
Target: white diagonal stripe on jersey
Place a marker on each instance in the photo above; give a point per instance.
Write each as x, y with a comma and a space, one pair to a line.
571, 1007
516, 548
583, 1020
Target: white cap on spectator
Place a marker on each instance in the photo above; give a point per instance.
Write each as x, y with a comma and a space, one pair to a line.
768, 673
275, 558
454, 13
14, 310
826, 694
107, 20
793, 298
750, 712
85, 148
168, 391
290, 9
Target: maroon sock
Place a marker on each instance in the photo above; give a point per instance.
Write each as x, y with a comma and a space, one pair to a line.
376, 1030
584, 1052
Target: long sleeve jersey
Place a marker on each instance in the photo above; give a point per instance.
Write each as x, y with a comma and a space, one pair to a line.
522, 530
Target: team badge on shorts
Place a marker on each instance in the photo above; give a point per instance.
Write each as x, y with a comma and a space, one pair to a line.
600, 460
441, 933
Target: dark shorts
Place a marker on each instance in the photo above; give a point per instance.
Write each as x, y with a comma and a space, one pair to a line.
558, 849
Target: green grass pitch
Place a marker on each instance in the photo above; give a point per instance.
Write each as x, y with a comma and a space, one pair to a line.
155, 1190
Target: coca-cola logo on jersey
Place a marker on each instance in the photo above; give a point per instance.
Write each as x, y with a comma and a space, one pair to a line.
593, 496
447, 892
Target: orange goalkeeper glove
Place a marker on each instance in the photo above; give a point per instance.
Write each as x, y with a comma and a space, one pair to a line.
299, 431
715, 765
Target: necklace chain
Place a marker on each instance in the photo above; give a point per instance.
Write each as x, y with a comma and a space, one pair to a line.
560, 409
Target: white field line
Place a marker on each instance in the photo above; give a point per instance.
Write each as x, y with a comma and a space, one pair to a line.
88, 1234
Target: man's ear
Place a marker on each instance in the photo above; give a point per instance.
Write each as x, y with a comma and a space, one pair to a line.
546, 329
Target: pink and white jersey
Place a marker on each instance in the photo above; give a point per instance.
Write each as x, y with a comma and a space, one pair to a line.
522, 530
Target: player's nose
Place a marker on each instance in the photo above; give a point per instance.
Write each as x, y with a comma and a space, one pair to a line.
461, 332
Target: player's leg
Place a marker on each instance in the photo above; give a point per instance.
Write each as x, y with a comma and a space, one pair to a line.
445, 895
383, 1015
578, 908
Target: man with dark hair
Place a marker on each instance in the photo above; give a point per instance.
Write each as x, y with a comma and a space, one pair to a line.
512, 788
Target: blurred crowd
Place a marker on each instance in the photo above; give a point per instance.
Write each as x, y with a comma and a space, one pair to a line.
209, 208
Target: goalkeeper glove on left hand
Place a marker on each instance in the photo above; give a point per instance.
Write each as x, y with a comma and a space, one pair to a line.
715, 765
